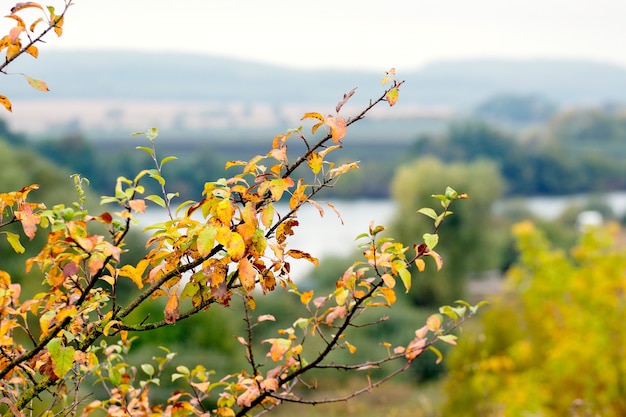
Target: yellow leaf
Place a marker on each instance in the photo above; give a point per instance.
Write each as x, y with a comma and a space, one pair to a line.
306, 297
420, 264
350, 347
315, 161
134, 273
33, 51
313, 116
389, 294
35, 83
58, 25
392, 96
13, 50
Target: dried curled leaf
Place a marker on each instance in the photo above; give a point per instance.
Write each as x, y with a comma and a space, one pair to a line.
346, 97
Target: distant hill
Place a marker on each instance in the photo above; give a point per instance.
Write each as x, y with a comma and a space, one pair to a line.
124, 91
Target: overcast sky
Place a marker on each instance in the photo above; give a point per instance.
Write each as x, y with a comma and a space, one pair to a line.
353, 34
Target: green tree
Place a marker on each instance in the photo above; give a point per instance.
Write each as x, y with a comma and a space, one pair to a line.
468, 236
553, 345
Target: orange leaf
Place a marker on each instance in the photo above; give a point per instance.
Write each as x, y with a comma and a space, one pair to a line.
278, 349
392, 96
20, 6
298, 254
247, 274
389, 294
171, 309
138, 206
6, 103
35, 83
34, 24
28, 219
337, 127
20, 22
58, 25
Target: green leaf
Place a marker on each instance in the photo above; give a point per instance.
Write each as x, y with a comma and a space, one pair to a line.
436, 352
451, 194
449, 311
156, 199
431, 240
405, 276
428, 212
145, 149
448, 338
168, 159
14, 240
148, 369
62, 356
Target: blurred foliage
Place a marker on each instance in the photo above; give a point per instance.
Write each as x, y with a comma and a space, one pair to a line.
468, 237
516, 109
553, 344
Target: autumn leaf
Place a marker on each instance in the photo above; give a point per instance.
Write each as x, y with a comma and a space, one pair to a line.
278, 349
171, 309
314, 116
315, 161
62, 357
28, 219
298, 254
392, 96
247, 274
20, 22
14, 240
35, 83
20, 6
35, 23
138, 206
134, 273
13, 50
306, 297
345, 99
32, 50
6, 103
434, 322
337, 126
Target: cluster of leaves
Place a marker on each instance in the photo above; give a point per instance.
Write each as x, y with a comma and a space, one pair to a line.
554, 344
23, 38
231, 243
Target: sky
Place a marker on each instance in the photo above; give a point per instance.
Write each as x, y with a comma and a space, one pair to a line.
353, 34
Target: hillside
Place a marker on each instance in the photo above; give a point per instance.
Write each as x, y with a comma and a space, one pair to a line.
114, 92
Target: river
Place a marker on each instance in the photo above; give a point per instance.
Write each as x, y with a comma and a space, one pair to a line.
327, 235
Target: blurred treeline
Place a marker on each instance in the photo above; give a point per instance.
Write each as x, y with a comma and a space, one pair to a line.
508, 146
538, 148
